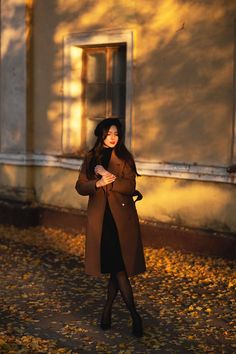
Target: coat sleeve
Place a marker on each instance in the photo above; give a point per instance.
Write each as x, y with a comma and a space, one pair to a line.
126, 183
85, 186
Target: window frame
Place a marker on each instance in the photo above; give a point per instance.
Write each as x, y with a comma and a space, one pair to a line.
73, 125
108, 50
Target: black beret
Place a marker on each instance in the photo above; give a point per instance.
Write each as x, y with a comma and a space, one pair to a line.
106, 123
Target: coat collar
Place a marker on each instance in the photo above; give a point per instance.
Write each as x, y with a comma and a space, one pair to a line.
115, 164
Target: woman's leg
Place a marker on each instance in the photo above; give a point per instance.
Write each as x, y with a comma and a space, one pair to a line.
127, 295
112, 290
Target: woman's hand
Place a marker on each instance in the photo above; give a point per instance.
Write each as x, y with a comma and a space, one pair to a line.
100, 170
106, 179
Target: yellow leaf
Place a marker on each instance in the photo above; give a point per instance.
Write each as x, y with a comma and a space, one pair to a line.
122, 345
26, 276
2, 342
231, 284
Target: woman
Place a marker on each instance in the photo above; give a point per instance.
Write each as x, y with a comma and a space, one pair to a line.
113, 241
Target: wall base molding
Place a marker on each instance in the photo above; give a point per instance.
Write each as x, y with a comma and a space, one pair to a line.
154, 235
168, 170
17, 193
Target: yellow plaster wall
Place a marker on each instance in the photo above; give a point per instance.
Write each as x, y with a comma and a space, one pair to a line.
188, 203
56, 187
183, 73
16, 182
13, 176
52, 186
173, 201
184, 81
182, 101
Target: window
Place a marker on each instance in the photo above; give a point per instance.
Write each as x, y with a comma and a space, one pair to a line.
97, 84
104, 86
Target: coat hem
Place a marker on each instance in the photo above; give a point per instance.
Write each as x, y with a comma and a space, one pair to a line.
101, 275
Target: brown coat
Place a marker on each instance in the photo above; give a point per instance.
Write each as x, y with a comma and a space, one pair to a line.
123, 209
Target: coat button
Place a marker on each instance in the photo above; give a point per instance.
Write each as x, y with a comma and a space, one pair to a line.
123, 204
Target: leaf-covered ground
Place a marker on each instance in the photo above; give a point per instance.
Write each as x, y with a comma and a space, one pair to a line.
48, 304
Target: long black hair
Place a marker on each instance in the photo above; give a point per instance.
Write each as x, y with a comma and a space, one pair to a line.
120, 149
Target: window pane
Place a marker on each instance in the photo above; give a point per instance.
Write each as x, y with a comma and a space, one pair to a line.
119, 65
96, 100
118, 100
96, 67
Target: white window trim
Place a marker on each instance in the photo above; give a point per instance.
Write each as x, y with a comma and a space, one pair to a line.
72, 83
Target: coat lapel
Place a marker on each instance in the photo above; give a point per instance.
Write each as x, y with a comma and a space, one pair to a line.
115, 165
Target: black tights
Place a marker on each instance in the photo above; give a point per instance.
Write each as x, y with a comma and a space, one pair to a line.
119, 281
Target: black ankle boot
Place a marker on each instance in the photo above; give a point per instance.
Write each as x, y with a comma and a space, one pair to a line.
137, 327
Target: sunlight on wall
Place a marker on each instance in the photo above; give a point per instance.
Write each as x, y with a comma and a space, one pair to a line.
11, 36
182, 98
53, 114
94, 15
177, 202
187, 203
182, 77
56, 187
13, 176
184, 60
72, 102
167, 19
13, 30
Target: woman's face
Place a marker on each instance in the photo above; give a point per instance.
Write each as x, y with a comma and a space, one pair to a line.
112, 137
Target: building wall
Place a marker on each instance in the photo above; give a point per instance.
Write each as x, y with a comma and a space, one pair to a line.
13, 76
183, 73
182, 103
177, 202
184, 87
